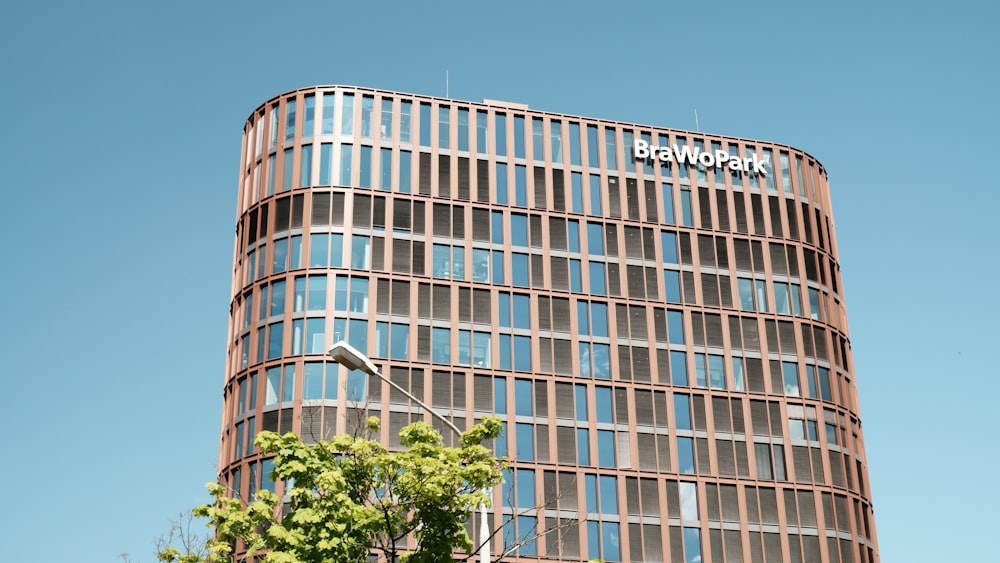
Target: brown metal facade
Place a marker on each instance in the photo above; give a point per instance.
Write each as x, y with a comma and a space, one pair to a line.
666, 342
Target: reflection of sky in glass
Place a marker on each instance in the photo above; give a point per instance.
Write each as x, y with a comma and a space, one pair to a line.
689, 501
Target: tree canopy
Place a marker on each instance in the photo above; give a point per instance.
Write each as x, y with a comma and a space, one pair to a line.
350, 496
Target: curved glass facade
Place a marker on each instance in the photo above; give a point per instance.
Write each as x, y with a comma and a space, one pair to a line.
665, 337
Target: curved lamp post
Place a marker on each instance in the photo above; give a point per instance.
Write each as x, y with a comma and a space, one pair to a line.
349, 357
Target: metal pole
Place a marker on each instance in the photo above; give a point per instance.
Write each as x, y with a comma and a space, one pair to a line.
484, 531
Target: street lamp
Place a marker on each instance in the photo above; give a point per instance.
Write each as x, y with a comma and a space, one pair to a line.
351, 358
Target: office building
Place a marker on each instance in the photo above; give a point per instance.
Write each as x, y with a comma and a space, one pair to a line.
657, 315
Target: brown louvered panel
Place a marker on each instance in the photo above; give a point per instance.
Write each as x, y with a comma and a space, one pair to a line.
632, 198
698, 410
750, 496
418, 257
758, 418
442, 302
771, 330
758, 215
635, 280
736, 405
319, 213
836, 468
285, 417
751, 340
424, 300
541, 390
777, 386
684, 244
793, 260
633, 242
831, 547
378, 212
558, 190
362, 209
464, 304
647, 451
741, 248
621, 405
791, 515
378, 254
283, 211
269, 422
401, 256
566, 445
774, 413
742, 462
560, 314
800, 464
706, 251
663, 450
463, 178
720, 414
482, 180
652, 283
649, 191
774, 207
807, 508
755, 374
820, 337
535, 235
807, 341
710, 290
419, 216
624, 363
562, 354
480, 225
652, 543
458, 222
538, 174
444, 176
768, 505
637, 322
793, 223
786, 334
739, 206
756, 550
441, 222
757, 254
673, 500
482, 389
640, 363
440, 389
564, 401
557, 233
537, 271
715, 541
423, 343
614, 280
735, 341
382, 297
698, 328
481, 306
810, 262
712, 497
713, 330
734, 547
777, 252
848, 552
726, 291
723, 209
725, 458
542, 442
648, 243
817, 465
810, 549
559, 270
620, 313
772, 547
312, 424
704, 209
635, 543
545, 355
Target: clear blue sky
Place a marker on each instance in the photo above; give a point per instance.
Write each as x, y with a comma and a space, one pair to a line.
118, 170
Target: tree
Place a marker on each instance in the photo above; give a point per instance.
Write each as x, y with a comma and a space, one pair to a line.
350, 497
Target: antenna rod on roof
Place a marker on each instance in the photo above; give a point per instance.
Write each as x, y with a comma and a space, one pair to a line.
446, 84
696, 126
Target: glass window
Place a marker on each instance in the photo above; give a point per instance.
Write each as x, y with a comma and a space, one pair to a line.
689, 501
360, 252
327, 126
290, 120
574, 144
273, 390
682, 411
824, 384
522, 353
444, 127
405, 119
500, 396
537, 140
523, 397
602, 404
582, 446
367, 111
745, 288
365, 167
275, 334
685, 455
347, 115
270, 174
501, 133
814, 310
595, 194
573, 235
668, 204
692, 545
280, 255
518, 229
761, 295
782, 306
610, 151
498, 275
672, 285
310, 115
520, 186
345, 164
678, 368
385, 169
626, 150
313, 381
592, 147
481, 349
519, 269
599, 319
605, 448
686, 207
716, 373
501, 170
575, 279
481, 120
518, 136
277, 298
288, 389
359, 295
305, 170
325, 161
405, 180
597, 279
770, 166
522, 311
425, 125
595, 239
289, 166
700, 371
555, 138
796, 295
441, 345
525, 442
738, 384
576, 192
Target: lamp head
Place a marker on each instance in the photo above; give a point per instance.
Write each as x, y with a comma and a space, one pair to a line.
349, 356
